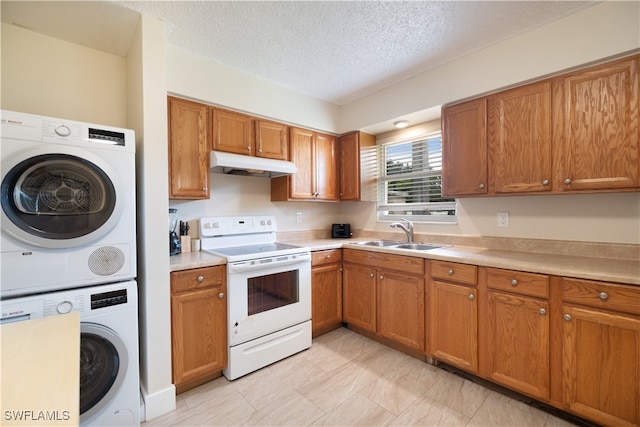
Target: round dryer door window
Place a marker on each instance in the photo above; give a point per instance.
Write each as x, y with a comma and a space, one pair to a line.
56, 200
103, 366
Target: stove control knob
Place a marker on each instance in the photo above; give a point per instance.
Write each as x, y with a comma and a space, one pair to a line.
269, 222
263, 222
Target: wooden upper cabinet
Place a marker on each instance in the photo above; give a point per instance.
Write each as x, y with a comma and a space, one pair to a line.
188, 150
519, 139
595, 130
326, 167
315, 156
232, 132
271, 140
464, 148
353, 175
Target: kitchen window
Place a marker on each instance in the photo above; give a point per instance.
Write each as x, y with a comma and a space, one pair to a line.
410, 181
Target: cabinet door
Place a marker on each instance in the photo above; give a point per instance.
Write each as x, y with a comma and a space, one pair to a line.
350, 167
359, 296
326, 167
272, 140
453, 325
326, 301
516, 347
464, 148
596, 128
188, 150
232, 132
401, 308
519, 139
601, 365
301, 183
198, 334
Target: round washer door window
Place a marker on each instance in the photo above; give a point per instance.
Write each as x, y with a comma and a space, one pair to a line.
103, 365
58, 198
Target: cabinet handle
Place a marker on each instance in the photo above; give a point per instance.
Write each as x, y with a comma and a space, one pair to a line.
370, 274
259, 150
472, 297
200, 278
481, 186
567, 317
248, 148
542, 311
603, 296
514, 282
328, 256
221, 295
450, 272
545, 182
381, 277
567, 181
204, 188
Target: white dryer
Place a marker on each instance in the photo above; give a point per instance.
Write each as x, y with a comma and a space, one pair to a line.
68, 216
109, 367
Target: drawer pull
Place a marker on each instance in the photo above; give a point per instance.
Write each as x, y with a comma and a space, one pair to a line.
603, 296
450, 272
381, 277
370, 274
328, 256
542, 311
514, 282
221, 295
200, 278
472, 297
567, 317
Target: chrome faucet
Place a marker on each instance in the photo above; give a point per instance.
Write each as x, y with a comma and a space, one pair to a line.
408, 229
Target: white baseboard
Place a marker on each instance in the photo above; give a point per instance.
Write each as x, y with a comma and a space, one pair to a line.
158, 403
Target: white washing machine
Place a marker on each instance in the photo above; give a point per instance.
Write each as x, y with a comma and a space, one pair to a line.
109, 367
68, 216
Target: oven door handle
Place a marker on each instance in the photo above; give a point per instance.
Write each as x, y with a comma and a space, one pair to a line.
237, 267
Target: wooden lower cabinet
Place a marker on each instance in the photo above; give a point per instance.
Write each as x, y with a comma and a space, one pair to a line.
359, 296
601, 351
326, 291
514, 339
453, 324
198, 325
401, 308
384, 294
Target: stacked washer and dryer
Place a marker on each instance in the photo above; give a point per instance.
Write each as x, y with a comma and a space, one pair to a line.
68, 243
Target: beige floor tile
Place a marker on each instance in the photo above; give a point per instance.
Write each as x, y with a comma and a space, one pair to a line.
338, 385
458, 394
427, 412
338, 349
500, 410
553, 421
356, 411
290, 410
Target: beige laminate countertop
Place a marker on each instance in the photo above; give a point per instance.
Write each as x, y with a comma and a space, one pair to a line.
604, 269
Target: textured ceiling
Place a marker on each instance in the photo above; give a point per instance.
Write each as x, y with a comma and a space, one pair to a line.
336, 51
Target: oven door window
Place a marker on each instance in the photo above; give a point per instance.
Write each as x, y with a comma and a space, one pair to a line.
58, 196
272, 291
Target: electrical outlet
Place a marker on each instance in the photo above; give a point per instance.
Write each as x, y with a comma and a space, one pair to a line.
503, 219
298, 217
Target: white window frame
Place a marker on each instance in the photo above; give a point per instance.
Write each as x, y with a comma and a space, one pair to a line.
389, 211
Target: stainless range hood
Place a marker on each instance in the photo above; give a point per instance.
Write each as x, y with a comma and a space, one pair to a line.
238, 164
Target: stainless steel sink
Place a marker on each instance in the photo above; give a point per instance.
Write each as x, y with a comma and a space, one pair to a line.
381, 243
417, 246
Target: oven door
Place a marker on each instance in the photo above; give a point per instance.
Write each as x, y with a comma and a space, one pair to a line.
267, 295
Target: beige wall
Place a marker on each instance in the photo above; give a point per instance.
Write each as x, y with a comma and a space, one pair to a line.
51, 77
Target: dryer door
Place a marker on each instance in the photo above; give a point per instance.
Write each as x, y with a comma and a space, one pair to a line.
60, 199
104, 361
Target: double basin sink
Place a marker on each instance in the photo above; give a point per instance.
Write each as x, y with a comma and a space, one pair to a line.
399, 245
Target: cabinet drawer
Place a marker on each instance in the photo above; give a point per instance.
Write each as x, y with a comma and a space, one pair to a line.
461, 273
602, 295
197, 278
536, 285
406, 264
329, 256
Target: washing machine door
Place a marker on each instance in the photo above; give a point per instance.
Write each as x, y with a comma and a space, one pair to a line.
59, 199
104, 361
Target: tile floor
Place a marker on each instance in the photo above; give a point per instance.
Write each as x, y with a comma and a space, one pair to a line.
345, 379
